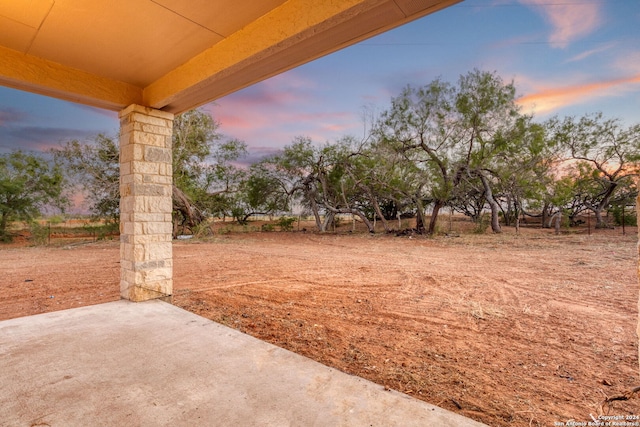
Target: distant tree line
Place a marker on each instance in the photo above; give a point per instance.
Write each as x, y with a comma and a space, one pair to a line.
467, 147
464, 146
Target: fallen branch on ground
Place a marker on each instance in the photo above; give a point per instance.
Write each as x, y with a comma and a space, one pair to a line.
627, 396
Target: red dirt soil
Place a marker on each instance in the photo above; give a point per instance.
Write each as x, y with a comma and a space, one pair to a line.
511, 330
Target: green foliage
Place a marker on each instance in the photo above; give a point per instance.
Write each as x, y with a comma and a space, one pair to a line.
203, 170
39, 233
286, 223
202, 230
630, 217
463, 144
194, 133
225, 230
56, 219
604, 155
204, 164
28, 184
100, 231
482, 224
461, 140
267, 227
240, 215
94, 167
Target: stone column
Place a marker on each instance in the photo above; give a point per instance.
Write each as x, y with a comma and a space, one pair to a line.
146, 258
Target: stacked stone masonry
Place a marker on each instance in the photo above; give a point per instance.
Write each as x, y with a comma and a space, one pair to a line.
145, 203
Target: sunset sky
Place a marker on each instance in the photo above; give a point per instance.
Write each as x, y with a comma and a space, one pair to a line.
566, 57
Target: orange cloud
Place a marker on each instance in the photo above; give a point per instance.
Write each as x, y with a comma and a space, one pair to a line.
570, 21
553, 99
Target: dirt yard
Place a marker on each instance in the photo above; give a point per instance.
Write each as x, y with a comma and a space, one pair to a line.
510, 330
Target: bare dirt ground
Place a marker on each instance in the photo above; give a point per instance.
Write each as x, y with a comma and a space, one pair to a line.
510, 330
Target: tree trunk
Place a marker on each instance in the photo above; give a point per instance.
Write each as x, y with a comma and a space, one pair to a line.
3, 226
495, 208
545, 214
376, 205
434, 216
191, 214
316, 213
364, 219
333, 211
419, 217
600, 222
508, 214
328, 219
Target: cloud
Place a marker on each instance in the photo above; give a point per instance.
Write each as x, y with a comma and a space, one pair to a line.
263, 105
10, 115
39, 138
272, 113
548, 100
591, 52
629, 62
570, 21
258, 153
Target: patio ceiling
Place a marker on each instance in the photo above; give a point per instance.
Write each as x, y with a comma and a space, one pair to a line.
175, 55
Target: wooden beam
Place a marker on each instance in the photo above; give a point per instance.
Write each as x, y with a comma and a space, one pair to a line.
295, 33
261, 37
37, 75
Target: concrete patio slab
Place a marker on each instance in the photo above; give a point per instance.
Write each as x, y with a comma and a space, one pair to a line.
154, 364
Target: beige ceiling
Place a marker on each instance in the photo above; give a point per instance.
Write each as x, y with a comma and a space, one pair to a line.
174, 54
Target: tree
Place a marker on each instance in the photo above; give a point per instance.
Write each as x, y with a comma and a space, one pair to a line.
203, 169
486, 113
457, 136
195, 133
204, 174
526, 168
339, 190
418, 126
95, 169
606, 155
298, 169
323, 179
262, 193
28, 184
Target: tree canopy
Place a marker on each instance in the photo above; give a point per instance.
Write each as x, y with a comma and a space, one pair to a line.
205, 179
465, 146
28, 184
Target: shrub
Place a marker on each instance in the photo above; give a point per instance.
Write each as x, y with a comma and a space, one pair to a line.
225, 230
39, 233
101, 231
286, 223
482, 224
630, 217
56, 219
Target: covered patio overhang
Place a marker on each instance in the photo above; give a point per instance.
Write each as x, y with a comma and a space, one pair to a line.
151, 59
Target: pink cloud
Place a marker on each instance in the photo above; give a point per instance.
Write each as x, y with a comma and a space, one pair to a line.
629, 62
591, 52
570, 21
551, 99
11, 115
273, 112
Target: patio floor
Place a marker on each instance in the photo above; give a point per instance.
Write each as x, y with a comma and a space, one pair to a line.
154, 364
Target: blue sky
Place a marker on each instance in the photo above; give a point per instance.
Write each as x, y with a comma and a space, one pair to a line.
566, 57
